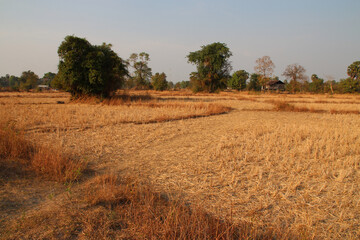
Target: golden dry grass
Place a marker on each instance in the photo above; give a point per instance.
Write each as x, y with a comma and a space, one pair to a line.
108, 207
282, 169
84, 114
18, 155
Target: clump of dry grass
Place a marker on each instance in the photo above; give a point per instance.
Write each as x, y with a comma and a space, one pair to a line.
108, 207
284, 106
287, 107
23, 156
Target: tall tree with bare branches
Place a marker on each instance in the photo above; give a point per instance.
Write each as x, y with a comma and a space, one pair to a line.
296, 74
265, 68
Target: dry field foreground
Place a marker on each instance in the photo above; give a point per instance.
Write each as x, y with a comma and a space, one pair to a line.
294, 168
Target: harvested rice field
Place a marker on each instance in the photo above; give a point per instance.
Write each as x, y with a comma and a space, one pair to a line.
290, 163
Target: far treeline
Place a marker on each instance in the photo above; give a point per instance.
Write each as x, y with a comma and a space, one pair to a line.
86, 69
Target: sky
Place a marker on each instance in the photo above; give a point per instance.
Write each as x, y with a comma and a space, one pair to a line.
321, 35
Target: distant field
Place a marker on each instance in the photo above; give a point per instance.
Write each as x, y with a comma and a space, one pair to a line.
290, 163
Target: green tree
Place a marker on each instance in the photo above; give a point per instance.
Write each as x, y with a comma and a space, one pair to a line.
254, 83
352, 83
238, 80
4, 81
170, 85
86, 69
184, 84
349, 85
317, 84
47, 78
354, 71
213, 67
158, 81
14, 83
28, 80
142, 72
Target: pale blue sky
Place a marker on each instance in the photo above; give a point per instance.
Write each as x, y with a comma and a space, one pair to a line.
321, 35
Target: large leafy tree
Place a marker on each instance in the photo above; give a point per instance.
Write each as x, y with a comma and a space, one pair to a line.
142, 72
86, 69
213, 67
238, 80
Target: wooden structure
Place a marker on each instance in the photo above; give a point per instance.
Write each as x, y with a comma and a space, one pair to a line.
275, 85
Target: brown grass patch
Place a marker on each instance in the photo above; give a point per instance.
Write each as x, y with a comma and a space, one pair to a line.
287, 107
18, 155
108, 207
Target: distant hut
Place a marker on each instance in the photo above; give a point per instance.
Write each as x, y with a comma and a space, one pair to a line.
275, 85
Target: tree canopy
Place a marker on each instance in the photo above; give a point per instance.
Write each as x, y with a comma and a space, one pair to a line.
317, 84
28, 80
158, 81
354, 71
142, 72
238, 80
86, 69
296, 74
264, 68
213, 67
254, 83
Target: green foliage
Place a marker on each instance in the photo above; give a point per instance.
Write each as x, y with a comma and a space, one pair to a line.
213, 67
86, 69
4, 81
170, 85
349, 85
182, 85
142, 72
317, 84
28, 80
158, 81
238, 80
352, 83
354, 71
47, 78
14, 83
254, 83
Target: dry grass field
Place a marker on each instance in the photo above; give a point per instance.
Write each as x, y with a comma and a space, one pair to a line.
274, 165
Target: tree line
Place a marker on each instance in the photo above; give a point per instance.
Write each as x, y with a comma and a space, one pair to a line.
86, 69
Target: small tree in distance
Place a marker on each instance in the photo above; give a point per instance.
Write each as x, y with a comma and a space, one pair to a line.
254, 83
317, 84
142, 72
28, 80
296, 74
238, 80
158, 81
264, 68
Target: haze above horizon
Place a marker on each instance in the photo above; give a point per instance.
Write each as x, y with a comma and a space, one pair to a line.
321, 35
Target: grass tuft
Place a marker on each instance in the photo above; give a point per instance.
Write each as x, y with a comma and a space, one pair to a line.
21, 155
